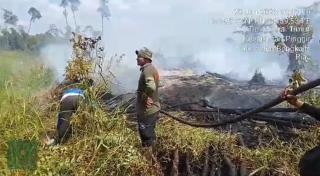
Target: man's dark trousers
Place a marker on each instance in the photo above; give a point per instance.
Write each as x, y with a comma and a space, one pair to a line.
68, 106
146, 125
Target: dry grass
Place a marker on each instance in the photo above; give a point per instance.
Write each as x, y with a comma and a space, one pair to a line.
103, 144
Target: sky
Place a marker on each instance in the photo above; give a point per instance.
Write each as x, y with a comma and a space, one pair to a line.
183, 31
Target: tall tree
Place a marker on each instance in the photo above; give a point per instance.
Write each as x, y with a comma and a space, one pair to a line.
35, 14
297, 33
9, 17
254, 33
64, 4
104, 11
74, 5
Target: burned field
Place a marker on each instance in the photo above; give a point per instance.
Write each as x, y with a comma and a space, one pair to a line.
105, 139
256, 145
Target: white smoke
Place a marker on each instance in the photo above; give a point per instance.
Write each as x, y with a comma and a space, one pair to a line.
181, 30
56, 56
188, 38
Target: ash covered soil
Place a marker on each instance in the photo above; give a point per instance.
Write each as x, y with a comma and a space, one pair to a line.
219, 90
181, 94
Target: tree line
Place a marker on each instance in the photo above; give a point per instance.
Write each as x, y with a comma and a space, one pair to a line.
18, 37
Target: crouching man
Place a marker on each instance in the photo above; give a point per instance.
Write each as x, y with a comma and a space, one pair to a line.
148, 105
69, 104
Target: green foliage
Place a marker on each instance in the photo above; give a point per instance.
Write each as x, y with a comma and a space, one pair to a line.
9, 17
19, 111
14, 73
11, 39
312, 97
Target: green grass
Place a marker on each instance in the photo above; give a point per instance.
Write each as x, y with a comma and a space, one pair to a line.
23, 72
21, 77
103, 143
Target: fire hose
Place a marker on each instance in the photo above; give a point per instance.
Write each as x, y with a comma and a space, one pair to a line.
248, 114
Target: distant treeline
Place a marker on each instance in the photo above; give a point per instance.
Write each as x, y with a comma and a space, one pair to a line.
13, 39
17, 37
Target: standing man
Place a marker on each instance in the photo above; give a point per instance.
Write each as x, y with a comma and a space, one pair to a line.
148, 105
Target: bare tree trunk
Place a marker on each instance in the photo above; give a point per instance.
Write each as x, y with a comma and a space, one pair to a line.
65, 13
297, 60
293, 62
29, 26
101, 25
75, 21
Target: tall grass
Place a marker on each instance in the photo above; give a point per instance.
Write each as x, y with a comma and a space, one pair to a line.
21, 76
101, 143
106, 144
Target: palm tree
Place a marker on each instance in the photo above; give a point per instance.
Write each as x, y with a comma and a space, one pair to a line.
104, 11
74, 7
35, 14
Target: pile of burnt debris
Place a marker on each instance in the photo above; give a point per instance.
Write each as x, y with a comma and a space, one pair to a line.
212, 98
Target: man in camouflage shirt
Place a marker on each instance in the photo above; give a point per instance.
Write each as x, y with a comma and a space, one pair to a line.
148, 105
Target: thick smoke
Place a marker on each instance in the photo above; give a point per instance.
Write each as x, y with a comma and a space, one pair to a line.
181, 33
184, 38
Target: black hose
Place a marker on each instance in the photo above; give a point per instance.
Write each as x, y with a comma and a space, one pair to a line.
248, 114
235, 111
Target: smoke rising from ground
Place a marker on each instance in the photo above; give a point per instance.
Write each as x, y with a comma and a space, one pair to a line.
181, 31
183, 34
56, 56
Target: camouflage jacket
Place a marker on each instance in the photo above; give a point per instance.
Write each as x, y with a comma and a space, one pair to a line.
148, 87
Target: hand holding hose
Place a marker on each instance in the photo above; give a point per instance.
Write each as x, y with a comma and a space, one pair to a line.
291, 99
